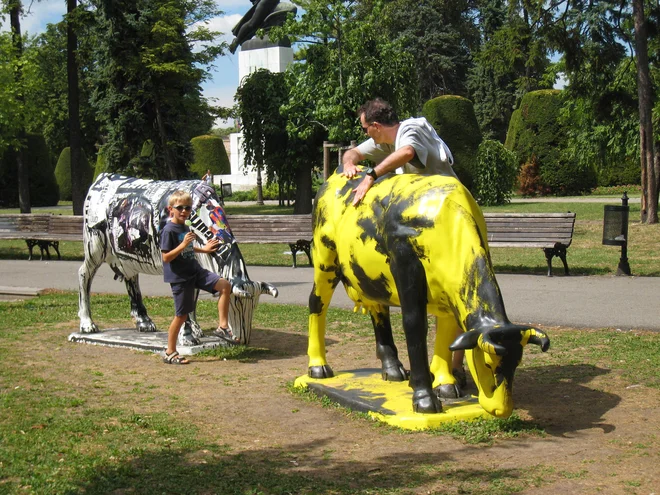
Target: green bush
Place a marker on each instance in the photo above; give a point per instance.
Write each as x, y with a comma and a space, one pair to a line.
43, 186
536, 135
454, 119
63, 173
209, 154
495, 175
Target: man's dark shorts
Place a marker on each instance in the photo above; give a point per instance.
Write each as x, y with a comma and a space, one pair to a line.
184, 292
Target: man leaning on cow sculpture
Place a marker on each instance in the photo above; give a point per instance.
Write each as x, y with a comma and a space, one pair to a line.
418, 242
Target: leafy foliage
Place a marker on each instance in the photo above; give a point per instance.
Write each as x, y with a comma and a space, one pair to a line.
536, 134
44, 190
454, 120
496, 173
343, 62
148, 82
63, 173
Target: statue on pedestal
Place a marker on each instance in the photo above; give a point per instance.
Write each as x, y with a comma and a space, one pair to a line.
263, 14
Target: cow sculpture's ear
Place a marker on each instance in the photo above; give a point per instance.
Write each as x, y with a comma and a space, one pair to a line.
467, 340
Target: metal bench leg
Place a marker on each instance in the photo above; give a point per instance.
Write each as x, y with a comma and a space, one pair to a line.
561, 253
549, 253
294, 250
30, 244
56, 247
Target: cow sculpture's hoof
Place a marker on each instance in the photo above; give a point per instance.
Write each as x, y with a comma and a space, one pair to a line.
448, 391
145, 325
395, 372
88, 327
426, 402
324, 371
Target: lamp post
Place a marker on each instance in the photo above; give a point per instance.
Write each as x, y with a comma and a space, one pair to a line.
615, 231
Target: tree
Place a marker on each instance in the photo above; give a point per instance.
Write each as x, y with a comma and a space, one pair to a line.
78, 189
343, 61
148, 81
650, 173
15, 8
259, 98
441, 36
512, 60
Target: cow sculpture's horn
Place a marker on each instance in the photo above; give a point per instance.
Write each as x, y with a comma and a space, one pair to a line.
537, 337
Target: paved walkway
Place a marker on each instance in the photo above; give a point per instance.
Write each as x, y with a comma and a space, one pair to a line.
575, 301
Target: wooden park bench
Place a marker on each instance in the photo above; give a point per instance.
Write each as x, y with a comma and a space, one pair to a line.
42, 230
552, 232
294, 230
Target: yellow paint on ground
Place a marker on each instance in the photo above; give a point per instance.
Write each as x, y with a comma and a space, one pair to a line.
389, 402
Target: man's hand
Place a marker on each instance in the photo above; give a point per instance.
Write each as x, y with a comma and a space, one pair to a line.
361, 190
350, 170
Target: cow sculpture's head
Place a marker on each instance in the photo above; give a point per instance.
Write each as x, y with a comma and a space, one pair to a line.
493, 354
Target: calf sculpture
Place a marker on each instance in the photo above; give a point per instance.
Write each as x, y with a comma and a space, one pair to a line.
418, 242
123, 217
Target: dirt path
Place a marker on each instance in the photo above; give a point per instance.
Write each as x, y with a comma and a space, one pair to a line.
601, 432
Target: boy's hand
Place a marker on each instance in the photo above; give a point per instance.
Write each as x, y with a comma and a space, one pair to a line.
190, 237
211, 246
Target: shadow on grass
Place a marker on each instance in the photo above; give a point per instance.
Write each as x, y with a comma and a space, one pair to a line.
557, 271
560, 399
300, 468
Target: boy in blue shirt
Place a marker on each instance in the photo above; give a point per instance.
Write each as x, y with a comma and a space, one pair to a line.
184, 274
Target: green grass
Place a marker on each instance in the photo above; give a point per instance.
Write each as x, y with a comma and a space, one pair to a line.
586, 255
61, 434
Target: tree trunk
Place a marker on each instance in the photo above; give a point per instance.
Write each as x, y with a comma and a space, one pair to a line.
22, 167
649, 208
167, 152
78, 175
260, 189
303, 204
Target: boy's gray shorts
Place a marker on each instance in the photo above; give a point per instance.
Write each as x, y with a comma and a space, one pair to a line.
184, 292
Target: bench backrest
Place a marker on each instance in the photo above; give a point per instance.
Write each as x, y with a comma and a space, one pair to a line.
23, 224
268, 229
530, 229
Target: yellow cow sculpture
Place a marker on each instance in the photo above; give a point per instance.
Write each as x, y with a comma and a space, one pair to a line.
418, 242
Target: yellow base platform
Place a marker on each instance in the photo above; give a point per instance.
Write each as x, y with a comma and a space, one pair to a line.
391, 402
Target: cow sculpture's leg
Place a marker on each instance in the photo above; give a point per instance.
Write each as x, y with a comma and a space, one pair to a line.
95, 246
142, 321
325, 282
444, 383
386, 350
411, 285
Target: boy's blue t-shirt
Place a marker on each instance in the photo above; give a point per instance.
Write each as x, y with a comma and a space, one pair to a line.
183, 267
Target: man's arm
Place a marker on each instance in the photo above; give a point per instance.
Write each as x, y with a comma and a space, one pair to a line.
397, 159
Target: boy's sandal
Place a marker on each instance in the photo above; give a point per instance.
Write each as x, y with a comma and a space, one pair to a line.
226, 335
174, 358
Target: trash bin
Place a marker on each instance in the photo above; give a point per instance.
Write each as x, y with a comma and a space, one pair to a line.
615, 231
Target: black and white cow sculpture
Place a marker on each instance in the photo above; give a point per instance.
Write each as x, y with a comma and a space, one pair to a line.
123, 217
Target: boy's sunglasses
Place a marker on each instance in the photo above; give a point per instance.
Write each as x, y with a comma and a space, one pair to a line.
182, 208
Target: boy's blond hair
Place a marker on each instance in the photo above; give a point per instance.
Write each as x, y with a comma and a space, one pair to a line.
179, 198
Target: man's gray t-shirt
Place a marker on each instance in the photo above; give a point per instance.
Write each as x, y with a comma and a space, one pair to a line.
432, 155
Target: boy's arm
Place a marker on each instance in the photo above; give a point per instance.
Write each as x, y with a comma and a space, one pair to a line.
169, 256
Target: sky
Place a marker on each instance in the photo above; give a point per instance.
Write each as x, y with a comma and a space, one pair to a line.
219, 89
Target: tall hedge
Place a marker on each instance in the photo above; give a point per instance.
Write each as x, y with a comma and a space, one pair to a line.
209, 154
536, 136
43, 186
100, 163
456, 123
63, 173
